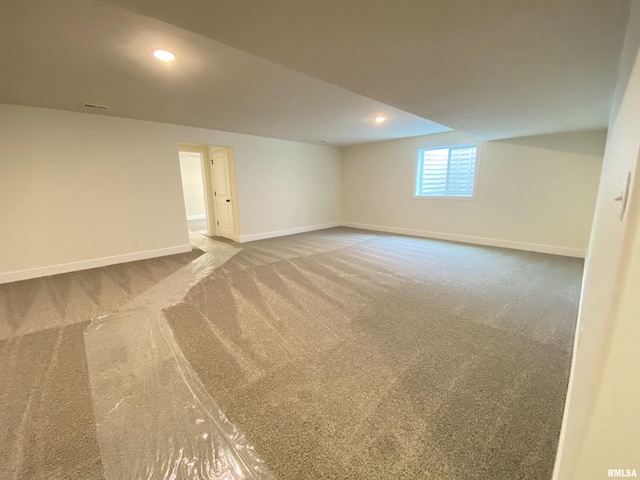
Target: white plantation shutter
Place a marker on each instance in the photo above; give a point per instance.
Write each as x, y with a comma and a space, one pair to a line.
447, 171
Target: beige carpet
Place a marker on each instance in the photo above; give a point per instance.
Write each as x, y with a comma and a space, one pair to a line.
339, 354
345, 354
48, 302
46, 411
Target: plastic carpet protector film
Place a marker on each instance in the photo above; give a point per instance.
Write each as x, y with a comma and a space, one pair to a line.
154, 417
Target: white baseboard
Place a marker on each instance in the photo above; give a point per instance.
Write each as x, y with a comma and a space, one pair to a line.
131, 257
281, 233
87, 264
197, 217
492, 242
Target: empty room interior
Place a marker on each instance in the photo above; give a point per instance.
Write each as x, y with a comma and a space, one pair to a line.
319, 239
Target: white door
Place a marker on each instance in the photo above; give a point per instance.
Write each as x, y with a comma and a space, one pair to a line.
222, 193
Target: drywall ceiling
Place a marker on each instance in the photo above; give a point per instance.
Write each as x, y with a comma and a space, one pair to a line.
321, 70
62, 54
491, 68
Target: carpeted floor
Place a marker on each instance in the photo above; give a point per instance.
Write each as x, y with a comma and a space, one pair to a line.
47, 302
344, 354
46, 411
339, 354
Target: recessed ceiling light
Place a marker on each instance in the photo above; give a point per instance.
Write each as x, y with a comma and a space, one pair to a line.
164, 55
380, 119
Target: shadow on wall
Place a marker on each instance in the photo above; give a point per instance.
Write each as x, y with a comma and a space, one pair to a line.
583, 143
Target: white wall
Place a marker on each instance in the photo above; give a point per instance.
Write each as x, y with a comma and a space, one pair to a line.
75, 189
192, 184
601, 428
612, 438
286, 187
534, 193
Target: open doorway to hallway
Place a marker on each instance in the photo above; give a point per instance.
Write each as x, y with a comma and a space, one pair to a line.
209, 189
193, 189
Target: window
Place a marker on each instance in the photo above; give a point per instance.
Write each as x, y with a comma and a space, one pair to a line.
447, 171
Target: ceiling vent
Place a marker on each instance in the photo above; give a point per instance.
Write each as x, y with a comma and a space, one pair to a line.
99, 107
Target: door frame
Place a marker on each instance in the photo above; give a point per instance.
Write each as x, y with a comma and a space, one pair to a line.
234, 194
207, 174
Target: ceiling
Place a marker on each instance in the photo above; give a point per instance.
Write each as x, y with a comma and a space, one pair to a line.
321, 70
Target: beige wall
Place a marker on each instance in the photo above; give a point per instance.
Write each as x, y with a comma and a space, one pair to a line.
192, 184
533, 193
612, 438
75, 189
601, 428
286, 186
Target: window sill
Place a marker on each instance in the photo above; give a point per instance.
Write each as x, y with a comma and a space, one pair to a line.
426, 197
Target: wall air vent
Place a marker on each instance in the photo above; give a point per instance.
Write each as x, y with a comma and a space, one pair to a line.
98, 107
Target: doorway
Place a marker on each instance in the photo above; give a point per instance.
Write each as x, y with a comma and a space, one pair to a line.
209, 189
193, 190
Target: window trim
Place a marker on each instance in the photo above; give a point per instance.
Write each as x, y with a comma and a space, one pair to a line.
476, 173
